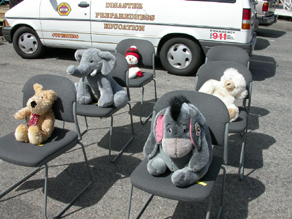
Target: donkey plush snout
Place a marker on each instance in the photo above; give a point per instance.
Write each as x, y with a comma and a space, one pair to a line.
177, 148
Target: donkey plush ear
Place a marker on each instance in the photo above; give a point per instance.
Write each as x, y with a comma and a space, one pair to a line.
155, 136
108, 62
198, 128
201, 140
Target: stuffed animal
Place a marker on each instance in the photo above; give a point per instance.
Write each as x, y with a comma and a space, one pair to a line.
133, 57
231, 86
95, 83
40, 117
180, 141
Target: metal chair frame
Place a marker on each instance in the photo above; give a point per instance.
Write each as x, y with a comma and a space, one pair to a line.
121, 48
121, 68
220, 138
39, 79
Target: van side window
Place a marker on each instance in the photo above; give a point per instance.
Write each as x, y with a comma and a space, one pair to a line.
225, 1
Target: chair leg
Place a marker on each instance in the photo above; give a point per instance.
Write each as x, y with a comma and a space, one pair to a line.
209, 208
128, 142
46, 186
141, 111
130, 201
20, 182
83, 190
86, 126
155, 89
46, 191
143, 207
242, 155
222, 192
150, 115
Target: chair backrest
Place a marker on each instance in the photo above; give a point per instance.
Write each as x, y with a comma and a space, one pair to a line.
64, 106
145, 48
215, 69
228, 53
212, 108
120, 72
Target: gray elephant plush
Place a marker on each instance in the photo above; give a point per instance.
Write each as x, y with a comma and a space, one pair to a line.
95, 83
180, 141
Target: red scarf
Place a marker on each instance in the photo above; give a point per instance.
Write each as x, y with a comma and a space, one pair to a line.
33, 120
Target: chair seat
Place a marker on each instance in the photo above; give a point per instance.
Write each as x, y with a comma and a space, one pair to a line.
240, 123
141, 179
92, 110
29, 155
141, 81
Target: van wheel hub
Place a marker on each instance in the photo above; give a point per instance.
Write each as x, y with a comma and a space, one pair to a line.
179, 56
28, 43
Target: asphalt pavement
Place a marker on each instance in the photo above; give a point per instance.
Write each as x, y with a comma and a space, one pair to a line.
265, 191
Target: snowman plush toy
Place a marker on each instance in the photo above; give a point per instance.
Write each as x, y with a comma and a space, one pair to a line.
133, 57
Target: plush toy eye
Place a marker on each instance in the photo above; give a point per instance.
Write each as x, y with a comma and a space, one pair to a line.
169, 130
185, 128
91, 61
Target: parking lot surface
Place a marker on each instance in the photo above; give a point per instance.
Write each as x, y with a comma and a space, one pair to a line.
265, 191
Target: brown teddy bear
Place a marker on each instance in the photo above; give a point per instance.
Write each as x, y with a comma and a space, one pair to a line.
40, 117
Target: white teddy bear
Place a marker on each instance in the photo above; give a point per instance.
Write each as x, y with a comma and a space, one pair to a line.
231, 86
133, 56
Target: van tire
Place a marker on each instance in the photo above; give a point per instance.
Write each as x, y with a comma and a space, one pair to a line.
27, 43
181, 56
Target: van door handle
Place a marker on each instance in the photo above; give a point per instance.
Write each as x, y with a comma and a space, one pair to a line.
83, 4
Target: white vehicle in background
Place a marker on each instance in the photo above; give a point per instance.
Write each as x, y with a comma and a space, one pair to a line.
266, 11
182, 31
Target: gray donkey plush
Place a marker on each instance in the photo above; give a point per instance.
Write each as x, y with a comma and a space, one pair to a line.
179, 140
95, 83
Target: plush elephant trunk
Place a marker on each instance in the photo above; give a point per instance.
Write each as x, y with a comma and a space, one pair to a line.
80, 71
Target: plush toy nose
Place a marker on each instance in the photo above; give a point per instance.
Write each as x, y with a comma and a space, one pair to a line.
229, 85
33, 104
177, 147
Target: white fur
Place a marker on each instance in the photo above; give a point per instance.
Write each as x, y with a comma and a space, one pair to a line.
132, 60
133, 72
217, 88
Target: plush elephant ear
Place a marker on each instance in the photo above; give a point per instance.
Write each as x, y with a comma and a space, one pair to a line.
108, 62
78, 54
156, 135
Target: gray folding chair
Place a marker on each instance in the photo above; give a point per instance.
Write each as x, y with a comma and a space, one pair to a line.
214, 70
119, 74
147, 53
228, 53
29, 155
162, 185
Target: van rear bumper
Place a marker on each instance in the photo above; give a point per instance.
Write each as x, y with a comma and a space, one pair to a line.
6, 31
267, 19
249, 47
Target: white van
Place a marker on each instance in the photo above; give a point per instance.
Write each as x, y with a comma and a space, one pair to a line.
182, 31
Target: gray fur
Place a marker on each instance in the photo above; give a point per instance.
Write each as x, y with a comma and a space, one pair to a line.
192, 166
95, 83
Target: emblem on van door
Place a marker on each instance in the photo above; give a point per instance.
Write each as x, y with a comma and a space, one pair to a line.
64, 9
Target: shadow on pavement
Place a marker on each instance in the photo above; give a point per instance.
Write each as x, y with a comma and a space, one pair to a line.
236, 198
70, 181
262, 67
270, 33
